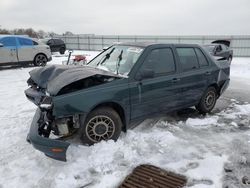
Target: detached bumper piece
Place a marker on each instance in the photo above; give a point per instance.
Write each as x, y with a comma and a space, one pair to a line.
148, 176
40, 140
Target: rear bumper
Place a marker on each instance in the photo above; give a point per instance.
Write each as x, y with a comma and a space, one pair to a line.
224, 86
55, 149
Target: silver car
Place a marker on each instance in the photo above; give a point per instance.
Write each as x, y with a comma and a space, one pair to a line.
20, 50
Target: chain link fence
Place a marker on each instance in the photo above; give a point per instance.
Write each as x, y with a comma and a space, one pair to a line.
240, 44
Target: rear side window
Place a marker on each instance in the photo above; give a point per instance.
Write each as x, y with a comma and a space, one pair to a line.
25, 42
8, 41
201, 57
160, 61
187, 58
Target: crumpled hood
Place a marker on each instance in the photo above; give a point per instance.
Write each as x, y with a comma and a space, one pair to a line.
55, 77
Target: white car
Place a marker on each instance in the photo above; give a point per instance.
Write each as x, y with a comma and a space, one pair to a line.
20, 50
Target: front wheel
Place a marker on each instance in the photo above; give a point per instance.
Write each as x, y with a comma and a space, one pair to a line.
40, 60
101, 124
207, 101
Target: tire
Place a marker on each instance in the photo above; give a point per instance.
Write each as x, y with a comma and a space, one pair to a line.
208, 101
104, 123
230, 60
62, 50
40, 60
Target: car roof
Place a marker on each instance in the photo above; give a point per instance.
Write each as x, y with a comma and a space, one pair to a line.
147, 44
22, 36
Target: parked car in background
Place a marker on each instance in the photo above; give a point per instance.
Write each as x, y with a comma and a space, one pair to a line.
21, 50
220, 49
120, 87
56, 45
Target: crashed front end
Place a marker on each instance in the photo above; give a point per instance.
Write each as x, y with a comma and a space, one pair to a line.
49, 132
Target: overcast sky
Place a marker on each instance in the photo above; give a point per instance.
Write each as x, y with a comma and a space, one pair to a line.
129, 17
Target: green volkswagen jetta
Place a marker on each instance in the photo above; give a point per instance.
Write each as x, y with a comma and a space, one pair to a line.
119, 88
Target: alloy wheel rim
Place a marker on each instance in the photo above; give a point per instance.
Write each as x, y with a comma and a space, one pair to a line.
40, 60
100, 128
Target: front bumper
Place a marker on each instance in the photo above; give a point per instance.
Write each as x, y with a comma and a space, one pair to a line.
53, 148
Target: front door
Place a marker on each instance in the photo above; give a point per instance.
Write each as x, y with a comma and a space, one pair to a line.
8, 52
159, 93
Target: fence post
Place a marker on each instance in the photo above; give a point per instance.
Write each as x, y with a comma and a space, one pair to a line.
88, 43
78, 42
102, 42
203, 40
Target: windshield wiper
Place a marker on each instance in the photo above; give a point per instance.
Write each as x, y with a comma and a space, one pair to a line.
107, 56
118, 62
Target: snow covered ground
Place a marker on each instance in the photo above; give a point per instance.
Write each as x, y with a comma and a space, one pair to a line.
212, 151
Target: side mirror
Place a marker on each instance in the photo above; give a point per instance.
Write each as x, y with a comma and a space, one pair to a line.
144, 74
1, 44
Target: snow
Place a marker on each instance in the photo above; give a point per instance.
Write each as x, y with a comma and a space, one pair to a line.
200, 122
197, 147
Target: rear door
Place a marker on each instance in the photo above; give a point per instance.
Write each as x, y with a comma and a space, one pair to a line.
157, 94
26, 50
193, 76
8, 53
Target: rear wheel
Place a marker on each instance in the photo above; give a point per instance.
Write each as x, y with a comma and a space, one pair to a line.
104, 123
40, 60
207, 101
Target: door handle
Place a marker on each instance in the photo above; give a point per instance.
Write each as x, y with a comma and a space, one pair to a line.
208, 73
175, 80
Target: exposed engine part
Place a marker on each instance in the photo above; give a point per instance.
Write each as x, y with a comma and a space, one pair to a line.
44, 128
62, 126
76, 121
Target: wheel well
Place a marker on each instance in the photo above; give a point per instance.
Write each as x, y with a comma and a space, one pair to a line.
117, 108
39, 54
216, 87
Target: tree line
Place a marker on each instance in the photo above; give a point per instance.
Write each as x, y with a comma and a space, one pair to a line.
31, 32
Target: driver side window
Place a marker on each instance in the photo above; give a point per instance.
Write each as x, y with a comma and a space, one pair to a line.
161, 61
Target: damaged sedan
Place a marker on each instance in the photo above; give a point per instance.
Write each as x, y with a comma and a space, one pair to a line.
119, 88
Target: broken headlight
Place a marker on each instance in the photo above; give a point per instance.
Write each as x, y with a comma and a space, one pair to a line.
46, 103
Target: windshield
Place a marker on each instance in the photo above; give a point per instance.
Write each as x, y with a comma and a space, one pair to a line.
117, 59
